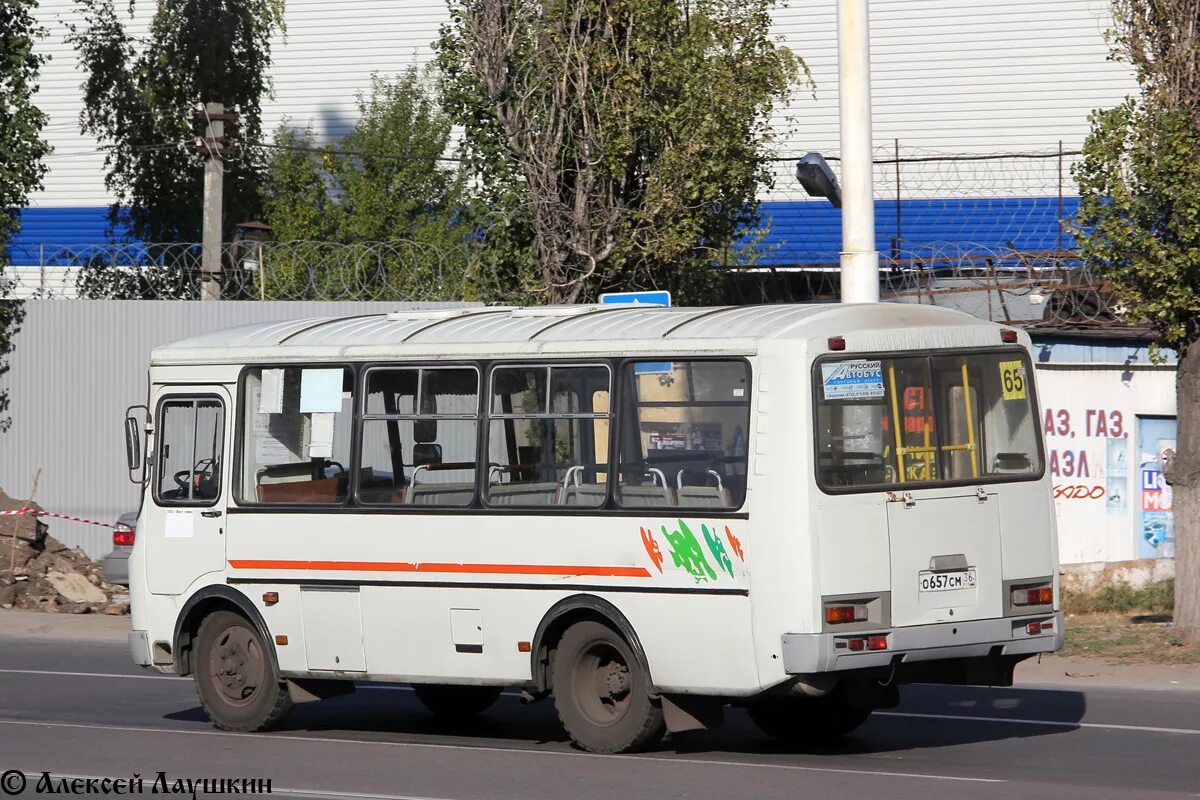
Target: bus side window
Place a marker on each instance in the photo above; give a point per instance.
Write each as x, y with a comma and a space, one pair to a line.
683, 436
191, 435
419, 436
544, 435
295, 446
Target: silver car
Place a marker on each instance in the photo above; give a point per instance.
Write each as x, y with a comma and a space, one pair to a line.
116, 563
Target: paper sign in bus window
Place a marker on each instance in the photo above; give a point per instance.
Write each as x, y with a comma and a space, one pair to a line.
852, 380
320, 391
1013, 381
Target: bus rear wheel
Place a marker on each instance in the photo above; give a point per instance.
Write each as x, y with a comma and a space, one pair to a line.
456, 702
601, 692
235, 675
807, 720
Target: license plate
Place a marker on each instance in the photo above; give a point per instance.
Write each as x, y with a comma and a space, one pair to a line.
947, 581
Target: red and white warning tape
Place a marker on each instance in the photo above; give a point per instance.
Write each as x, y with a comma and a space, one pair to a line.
33, 512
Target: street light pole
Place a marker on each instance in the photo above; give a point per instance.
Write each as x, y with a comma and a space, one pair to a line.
859, 258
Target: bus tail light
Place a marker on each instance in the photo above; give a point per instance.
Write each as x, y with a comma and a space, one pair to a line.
837, 615
1038, 596
1008, 336
1033, 628
877, 642
837, 343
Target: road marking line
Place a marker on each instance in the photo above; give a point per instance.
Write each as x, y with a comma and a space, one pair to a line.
485, 748
1044, 722
90, 674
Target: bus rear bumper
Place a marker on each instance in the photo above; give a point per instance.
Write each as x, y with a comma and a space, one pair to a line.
806, 653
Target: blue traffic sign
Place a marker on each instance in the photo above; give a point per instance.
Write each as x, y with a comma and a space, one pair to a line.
654, 298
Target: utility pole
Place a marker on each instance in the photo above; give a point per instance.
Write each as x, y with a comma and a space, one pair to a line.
212, 146
859, 258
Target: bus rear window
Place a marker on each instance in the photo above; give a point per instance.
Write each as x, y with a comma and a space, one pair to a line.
925, 420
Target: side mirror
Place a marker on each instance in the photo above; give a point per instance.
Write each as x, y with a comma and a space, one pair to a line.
133, 443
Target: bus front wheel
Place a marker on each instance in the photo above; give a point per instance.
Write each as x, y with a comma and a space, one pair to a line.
456, 702
235, 675
601, 692
807, 720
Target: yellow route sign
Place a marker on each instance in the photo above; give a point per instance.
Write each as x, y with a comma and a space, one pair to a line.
1013, 380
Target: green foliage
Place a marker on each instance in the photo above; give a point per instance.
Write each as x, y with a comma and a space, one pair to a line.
21, 151
623, 142
21, 145
1139, 179
12, 312
1121, 598
384, 186
1139, 212
140, 97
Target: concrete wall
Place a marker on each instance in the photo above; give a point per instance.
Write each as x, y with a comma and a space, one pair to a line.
1102, 403
77, 365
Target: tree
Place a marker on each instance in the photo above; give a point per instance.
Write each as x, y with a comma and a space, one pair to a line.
140, 100
22, 149
383, 191
1139, 224
623, 141
21, 144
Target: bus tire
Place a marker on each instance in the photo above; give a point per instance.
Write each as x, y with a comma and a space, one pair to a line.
602, 693
456, 702
235, 675
807, 720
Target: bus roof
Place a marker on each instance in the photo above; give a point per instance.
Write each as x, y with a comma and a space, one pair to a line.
542, 329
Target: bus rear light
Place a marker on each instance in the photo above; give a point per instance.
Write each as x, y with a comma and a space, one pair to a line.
1033, 628
837, 615
837, 343
1008, 336
1041, 596
878, 642
123, 536
857, 644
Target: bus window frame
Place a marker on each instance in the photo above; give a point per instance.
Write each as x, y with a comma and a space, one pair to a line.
361, 417
928, 354
616, 365
737, 512
155, 480
487, 417
239, 442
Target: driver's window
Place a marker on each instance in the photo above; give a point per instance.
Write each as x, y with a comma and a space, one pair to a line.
190, 438
296, 431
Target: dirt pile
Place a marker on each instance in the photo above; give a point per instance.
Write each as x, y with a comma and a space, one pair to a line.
40, 573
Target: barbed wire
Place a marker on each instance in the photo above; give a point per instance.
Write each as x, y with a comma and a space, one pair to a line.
987, 233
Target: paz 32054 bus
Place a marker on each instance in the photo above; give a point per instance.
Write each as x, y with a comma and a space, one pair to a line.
648, 514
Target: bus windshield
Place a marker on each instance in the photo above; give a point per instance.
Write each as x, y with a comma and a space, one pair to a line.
925, 420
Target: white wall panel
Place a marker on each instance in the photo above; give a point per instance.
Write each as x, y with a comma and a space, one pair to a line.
948, 75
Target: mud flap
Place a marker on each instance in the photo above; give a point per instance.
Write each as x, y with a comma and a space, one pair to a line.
307, 690
684, 712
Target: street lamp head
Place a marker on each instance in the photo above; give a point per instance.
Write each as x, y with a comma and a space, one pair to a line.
817, 178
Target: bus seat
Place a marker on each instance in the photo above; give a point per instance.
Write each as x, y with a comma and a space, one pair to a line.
704, 497
645, 496
524, 494
585, 494
440, 494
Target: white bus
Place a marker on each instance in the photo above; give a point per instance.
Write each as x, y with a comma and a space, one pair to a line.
647, 513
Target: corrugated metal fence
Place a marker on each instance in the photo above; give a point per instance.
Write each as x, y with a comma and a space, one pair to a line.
77, 365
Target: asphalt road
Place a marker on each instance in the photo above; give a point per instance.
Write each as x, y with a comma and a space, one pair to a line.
81, 709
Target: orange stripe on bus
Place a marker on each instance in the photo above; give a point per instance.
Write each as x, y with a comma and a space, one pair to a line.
462, 569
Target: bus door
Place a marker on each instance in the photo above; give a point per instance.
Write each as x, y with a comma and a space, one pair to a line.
184, 521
